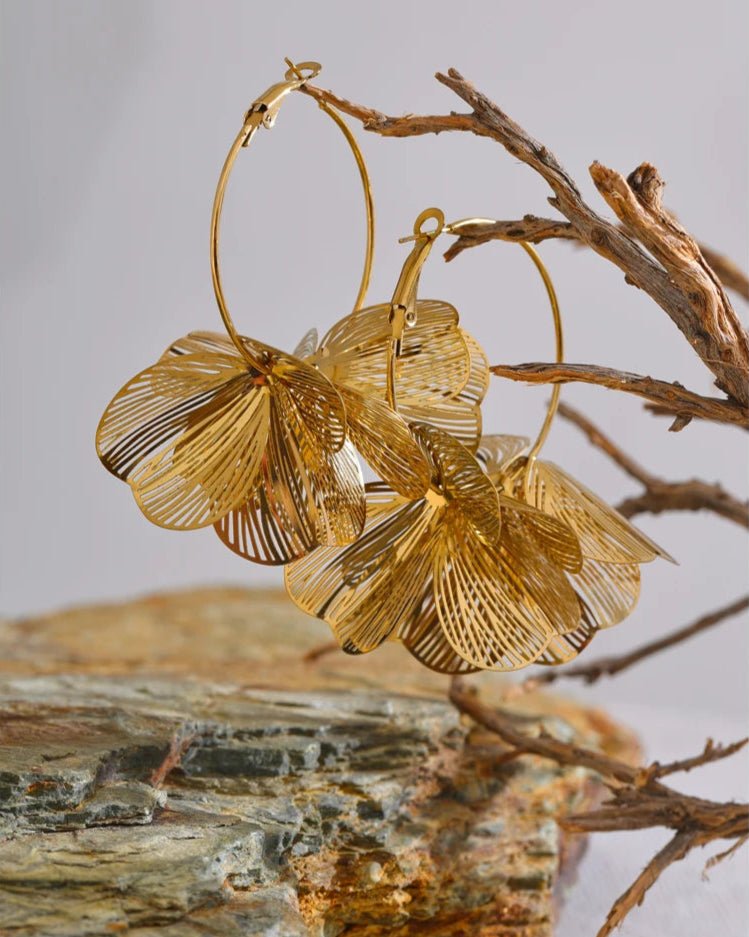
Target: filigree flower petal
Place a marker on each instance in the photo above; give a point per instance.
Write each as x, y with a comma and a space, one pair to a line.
312, 403
307, 345
434, 360
461, 478
496, 453
486, 612
299, 505
201, 342
385, 442
604, 534
424, 638
457, 414
543, 578
544, 533
188, 434
365, 589
608, 590
565, 647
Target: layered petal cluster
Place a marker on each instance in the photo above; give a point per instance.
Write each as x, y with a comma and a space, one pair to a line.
441, 375
255, 444
608, 581
262, 444
469, 550
470, 577
444, 573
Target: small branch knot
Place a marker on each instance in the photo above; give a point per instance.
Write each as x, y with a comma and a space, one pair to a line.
647, 184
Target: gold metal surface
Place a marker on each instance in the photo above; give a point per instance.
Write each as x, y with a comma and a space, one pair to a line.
444, 573
470, 550
455, 228
459, 411
263, 113
432, 372
505, 560
607, 581
234, 433
201, 432
440, 373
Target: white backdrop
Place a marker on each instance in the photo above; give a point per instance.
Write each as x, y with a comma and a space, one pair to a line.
115, 120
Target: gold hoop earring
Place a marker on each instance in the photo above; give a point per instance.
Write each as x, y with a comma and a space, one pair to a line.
467, 576
607, 582
552, 524
228, 431
470, 550
419, 345
263, 113
442, 547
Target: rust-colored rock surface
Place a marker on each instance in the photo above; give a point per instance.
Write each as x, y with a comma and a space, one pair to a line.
179, 765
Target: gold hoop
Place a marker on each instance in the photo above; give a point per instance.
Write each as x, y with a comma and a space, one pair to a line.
556, 389
553, 406
263, 113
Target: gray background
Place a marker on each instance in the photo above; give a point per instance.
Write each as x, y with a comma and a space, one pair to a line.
116, 118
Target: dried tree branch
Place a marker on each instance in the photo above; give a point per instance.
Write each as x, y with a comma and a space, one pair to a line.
660, 495
731, 275
676, 276
639, 800
610, 666
410, 125
719, 857
691, 495
672, 397
711, 752
598, 438
676, 849
716, 330
528, 228
503, 723
534, 229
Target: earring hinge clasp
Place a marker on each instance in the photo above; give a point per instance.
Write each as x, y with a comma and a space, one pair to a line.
403, 303
264, 109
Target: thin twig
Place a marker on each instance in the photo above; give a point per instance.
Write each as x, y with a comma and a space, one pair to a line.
691, 495
677, 848
534, 229
598, 438
529, 228
660, 495
504, 724
674, 398
639, 799
719, 857
610, 666
544, 744
711, 752
410, 125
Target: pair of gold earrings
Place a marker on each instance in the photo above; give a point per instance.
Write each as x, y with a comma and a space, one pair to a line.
470, 550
